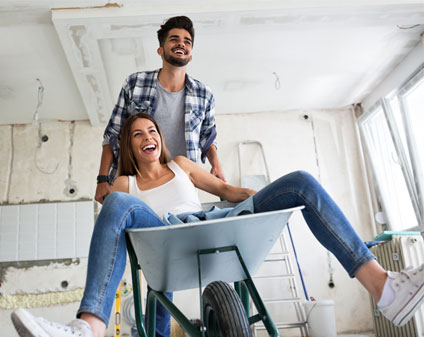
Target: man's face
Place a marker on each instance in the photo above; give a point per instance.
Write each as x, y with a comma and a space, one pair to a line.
176, 49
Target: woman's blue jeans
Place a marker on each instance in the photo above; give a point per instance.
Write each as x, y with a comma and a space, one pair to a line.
107, 256
324, 218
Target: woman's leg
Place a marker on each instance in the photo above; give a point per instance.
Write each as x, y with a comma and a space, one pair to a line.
106, 264
163, 317
107, 256
97, 326
323, 216
373, 277
399, 295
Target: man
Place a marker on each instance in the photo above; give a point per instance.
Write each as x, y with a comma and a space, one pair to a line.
182, 106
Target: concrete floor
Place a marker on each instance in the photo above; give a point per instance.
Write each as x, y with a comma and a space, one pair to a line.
367, 335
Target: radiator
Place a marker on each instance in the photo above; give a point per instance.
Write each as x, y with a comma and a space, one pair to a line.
402, 251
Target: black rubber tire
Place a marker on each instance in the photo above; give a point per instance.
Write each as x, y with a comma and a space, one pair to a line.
223, 312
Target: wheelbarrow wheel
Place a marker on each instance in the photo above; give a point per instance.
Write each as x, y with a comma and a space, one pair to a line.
223, 312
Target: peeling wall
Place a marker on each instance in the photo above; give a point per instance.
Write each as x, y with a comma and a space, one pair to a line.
321, 142
52, 161
51, 286
45, 170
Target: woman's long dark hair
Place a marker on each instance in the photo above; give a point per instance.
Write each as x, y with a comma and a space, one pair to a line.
127, 163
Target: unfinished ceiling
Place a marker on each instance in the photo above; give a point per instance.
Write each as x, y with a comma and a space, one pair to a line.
256, 56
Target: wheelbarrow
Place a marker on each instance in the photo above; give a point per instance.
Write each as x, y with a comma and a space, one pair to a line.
213, 253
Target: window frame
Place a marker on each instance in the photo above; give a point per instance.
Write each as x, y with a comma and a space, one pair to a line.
412, 168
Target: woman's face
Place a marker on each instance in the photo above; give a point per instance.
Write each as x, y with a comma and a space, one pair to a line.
145, 140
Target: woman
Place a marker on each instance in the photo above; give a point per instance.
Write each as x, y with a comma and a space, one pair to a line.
171, 186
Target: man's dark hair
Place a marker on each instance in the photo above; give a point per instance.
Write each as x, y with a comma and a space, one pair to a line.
175, 22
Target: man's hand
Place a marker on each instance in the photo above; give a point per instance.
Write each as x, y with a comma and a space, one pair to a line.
218, 172
216, 169
102, 190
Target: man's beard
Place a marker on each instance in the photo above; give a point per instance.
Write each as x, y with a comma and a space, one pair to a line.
177, 62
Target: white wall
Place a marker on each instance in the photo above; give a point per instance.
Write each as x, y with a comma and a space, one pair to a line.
396, 78
324, 144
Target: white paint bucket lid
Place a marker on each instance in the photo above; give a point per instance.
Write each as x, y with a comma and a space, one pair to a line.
321, 303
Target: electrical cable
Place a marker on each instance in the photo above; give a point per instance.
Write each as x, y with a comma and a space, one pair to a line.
10, 166
37, 150
330, 270
40, 137
126, 310
277, 81
408, 27
40, 101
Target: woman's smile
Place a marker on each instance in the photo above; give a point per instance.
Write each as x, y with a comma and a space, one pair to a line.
145, 139
149, 148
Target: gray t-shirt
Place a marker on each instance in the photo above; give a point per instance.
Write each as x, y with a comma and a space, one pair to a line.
170, 117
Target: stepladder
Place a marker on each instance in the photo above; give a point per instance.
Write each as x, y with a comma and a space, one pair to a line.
276, 280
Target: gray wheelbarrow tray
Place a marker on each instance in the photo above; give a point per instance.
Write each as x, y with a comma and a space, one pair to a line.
187, 256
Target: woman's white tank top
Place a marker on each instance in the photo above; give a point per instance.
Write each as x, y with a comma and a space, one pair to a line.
176, 196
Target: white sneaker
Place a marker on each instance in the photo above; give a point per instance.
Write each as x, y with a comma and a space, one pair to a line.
408, 286
29, 326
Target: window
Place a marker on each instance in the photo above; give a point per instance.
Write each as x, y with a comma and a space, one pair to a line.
395, 149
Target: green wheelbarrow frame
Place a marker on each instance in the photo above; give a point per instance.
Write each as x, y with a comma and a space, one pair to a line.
229, 257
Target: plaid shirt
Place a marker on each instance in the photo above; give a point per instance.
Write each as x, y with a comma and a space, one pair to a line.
138, 94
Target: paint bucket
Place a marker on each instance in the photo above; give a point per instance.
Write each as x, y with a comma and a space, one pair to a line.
321, 318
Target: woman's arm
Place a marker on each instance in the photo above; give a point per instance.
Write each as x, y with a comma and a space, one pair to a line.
209, 183
121, 184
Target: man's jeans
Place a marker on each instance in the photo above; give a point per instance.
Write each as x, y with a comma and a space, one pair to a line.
107, 257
